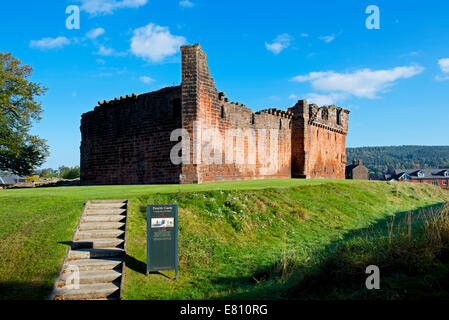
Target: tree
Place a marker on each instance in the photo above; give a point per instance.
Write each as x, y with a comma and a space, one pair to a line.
45, 173
20, 152
69, 173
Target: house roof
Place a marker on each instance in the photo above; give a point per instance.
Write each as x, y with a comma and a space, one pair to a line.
9, 179
427, 173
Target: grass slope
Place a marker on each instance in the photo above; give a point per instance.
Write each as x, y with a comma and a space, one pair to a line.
243, 244
231, 233
410, 249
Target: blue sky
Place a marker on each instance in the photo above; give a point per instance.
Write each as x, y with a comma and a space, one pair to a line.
395, 80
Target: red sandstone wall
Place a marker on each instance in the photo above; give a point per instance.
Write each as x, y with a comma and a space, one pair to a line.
319, 142
128, 141
202, 103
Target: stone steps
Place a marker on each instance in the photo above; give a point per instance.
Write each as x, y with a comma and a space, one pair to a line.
97, 243
98, 234
88, 253
92, 212
104, 218
87, 291
101, 225
105, 205
94, 264
92, 277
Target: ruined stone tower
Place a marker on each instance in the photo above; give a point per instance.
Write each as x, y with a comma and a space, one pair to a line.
128, 140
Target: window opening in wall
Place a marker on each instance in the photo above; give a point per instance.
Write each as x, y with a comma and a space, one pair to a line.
324, 114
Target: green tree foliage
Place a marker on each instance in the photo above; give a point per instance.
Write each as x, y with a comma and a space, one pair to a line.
20, 152
69, 173
381, 160
46, 173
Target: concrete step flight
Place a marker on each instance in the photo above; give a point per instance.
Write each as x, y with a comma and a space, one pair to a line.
87, 253
91, 277
103, 211
104, 218
94, 263
87, 291
97, 243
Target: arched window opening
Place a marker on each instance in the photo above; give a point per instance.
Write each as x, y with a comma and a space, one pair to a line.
339, 117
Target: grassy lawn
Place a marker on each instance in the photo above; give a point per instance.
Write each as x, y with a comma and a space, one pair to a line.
231, 233
410, 249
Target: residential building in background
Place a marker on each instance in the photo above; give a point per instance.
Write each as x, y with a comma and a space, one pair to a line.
437, 177
357, 171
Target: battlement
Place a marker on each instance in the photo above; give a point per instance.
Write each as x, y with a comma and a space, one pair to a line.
330, 117
121, 99
277, 112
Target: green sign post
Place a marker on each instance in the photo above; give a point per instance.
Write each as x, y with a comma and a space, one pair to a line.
162, 238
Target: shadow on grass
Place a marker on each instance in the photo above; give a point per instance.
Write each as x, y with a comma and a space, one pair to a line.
332, 274
135, 264
140, 267
38, 290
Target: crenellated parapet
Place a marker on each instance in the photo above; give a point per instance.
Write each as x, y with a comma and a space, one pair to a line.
277, 112
330, 117
121, 99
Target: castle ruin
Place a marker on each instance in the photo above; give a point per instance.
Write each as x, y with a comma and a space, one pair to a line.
128, 140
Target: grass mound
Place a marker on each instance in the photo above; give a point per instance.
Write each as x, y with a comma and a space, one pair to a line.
257, 244
242, 240
411, 251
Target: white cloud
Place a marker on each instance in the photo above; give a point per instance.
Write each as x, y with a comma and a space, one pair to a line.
325, 99
186, 4
363, 83
293, 96
155, 43
281, 42
444, 65
95, 33
328, 38
146, 79
50, 43
104, 51
95, 7
304, 35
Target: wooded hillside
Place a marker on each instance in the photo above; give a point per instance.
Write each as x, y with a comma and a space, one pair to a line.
379, 159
